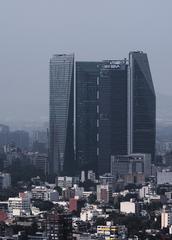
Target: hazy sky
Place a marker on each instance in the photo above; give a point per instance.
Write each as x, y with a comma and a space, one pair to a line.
32, 30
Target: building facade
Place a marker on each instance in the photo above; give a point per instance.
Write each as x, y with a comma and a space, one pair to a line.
112, 116
132, 168
59, 226
101, 113
141, 106
115, 112
87, 74
61, 114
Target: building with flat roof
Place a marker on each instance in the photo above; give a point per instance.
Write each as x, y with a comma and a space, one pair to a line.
61, 114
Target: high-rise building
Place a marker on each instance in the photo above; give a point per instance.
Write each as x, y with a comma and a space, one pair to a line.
87, 74
141, 106
61, 114
112, 116
115, 110
101, 113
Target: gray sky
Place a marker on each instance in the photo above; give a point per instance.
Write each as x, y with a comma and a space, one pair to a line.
32, 30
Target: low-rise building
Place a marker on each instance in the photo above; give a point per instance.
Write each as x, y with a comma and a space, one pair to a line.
133, 168
129, 207
112, 232
89, 212
19, 205
45, 194
146, 191
104, 193
64, 182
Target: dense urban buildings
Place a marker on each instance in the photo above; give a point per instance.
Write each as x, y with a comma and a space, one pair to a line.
59, 226
61, 113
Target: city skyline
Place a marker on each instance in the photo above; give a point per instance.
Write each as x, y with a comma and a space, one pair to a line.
27, 42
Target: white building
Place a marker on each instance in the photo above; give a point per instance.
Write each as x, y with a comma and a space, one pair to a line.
5, 180
166, 217
39, 192
147, 191
89, 212
43, 193
129, 207
78, 191
64, 182
19, 205
143, 192
164, 176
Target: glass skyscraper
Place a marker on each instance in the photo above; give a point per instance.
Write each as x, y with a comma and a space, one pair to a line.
87, 74
112, 117
115, 110
61, 114
141, 106
101, 113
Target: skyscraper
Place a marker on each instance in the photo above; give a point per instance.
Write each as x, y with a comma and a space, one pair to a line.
61, 114
87, 74
101, 113
112, 117
141, 106
115, 110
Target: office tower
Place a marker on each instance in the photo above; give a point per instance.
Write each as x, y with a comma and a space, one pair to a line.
87, 74
101, 113
61, 114
115, 111
141, 106
112, 116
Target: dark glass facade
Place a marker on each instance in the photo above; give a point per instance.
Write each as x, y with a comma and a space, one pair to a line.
101, 113
61, 113
112, 112
143, 105
87, 74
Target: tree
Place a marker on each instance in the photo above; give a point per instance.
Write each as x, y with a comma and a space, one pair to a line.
92, 198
